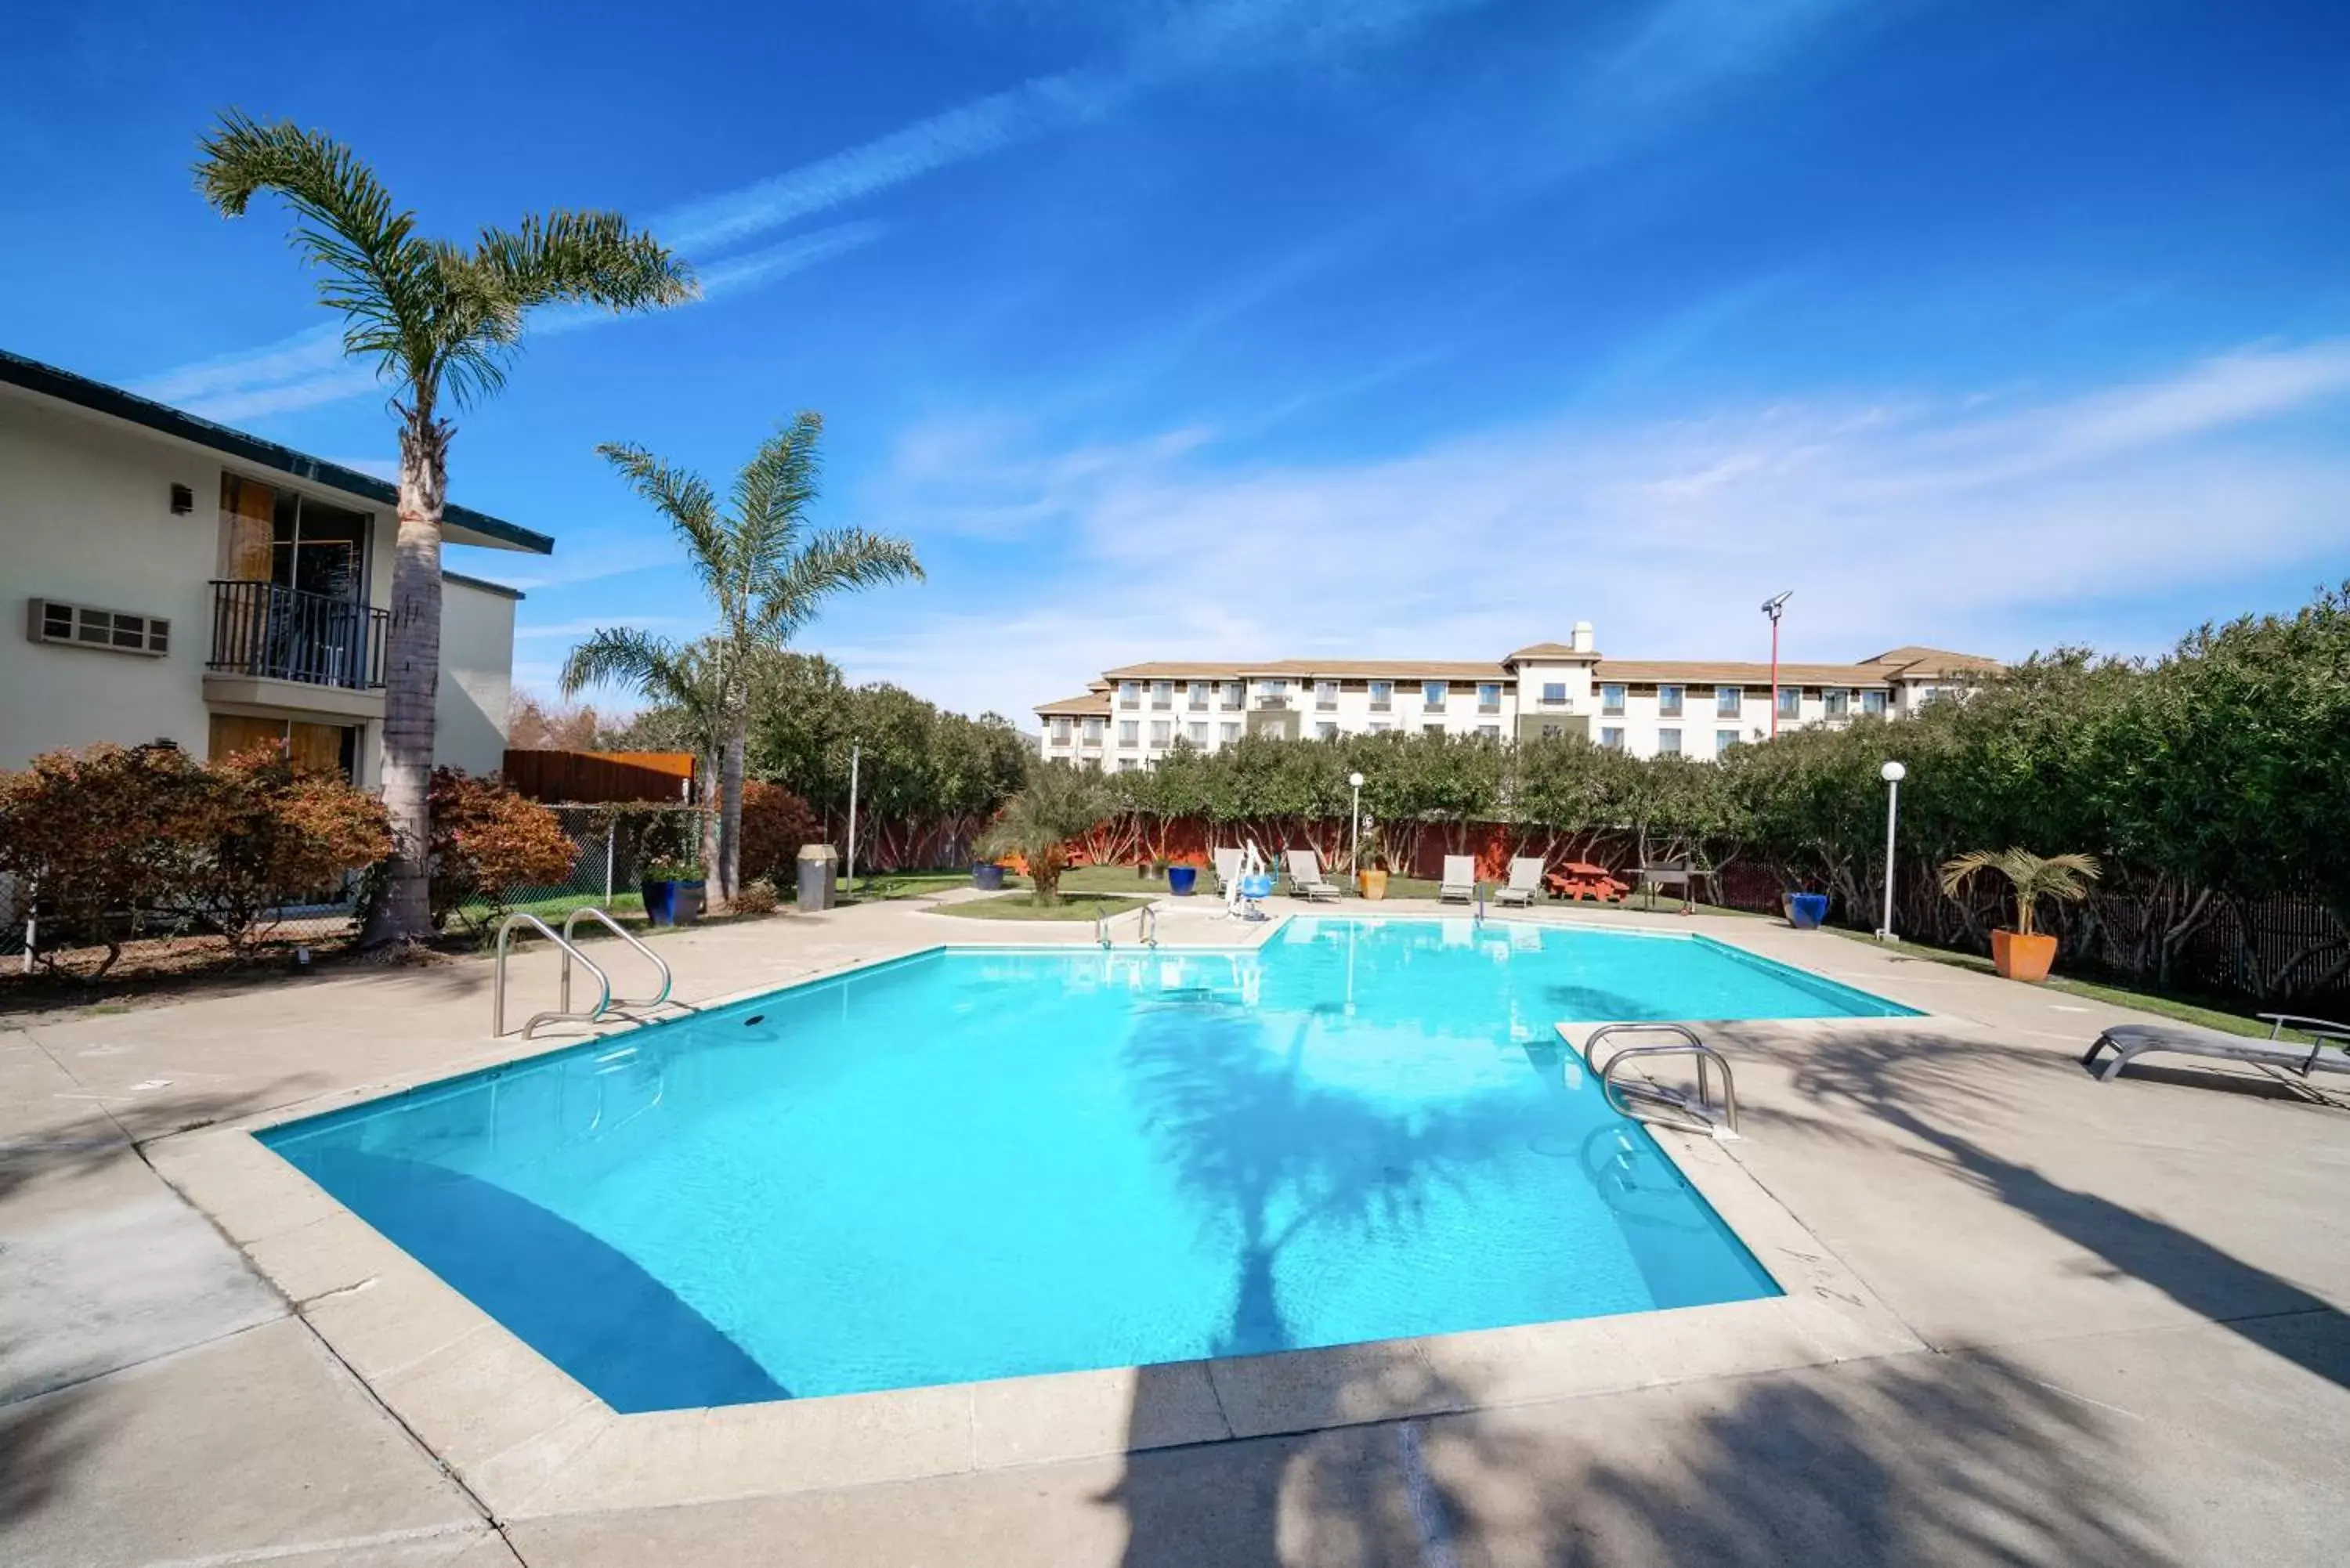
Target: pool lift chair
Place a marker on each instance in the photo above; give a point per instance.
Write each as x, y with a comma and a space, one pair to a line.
605, 1004
1245, 894
1637, 1098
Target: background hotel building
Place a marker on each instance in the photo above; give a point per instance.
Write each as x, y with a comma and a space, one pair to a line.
1131, 716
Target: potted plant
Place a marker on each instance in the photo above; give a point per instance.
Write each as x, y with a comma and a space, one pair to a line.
1805, 907
1370, 866
672, 891
987, 875
1183, 877
2025, 952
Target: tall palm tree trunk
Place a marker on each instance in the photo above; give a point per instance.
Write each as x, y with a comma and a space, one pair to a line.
729, 866
411, 680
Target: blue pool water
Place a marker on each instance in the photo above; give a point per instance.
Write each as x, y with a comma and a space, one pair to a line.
977, 1164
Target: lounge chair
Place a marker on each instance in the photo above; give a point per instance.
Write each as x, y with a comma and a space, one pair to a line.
1305, 880
1459, 879
1228, 866
2128, 1042
1525, 883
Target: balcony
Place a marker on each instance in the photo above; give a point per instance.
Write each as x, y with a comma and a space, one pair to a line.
263, 631
1272, 704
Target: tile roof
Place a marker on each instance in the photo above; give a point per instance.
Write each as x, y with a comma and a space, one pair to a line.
1091, 703
1309, 668
1926, 661
1734, 672
1551, 650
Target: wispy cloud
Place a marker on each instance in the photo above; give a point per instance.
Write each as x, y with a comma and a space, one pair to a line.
1952, 523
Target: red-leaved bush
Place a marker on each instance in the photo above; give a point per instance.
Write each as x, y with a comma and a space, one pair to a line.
112, 842
489, 843
775, 825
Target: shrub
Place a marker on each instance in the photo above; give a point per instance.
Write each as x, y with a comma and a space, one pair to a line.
489, 843
775, 825
757, 896
111, 839
274, 835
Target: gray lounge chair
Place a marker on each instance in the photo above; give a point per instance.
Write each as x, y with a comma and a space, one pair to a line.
2130, 1041
1459, 879
1525, 883
1305, 879
1228, 866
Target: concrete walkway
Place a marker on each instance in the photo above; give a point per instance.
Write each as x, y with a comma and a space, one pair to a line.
2124, 1304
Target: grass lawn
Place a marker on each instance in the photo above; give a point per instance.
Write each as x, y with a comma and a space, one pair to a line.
1074, 905
2210, 1013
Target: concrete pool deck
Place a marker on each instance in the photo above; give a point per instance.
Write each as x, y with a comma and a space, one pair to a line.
2030, 1318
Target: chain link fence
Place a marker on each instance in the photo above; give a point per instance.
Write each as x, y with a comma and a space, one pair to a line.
612, 845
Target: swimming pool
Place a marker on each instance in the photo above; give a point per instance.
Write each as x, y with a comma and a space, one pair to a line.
980, 1163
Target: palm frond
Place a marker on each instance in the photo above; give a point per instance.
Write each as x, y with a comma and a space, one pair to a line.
377, 272
623, 656
2063, 878
832, 561
583, 258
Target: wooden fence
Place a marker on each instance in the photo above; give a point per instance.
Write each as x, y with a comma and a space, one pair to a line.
596, 778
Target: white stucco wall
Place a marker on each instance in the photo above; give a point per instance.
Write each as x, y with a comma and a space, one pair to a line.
86, 518
476, 693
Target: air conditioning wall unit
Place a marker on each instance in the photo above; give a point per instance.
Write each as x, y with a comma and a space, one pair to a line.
84, 625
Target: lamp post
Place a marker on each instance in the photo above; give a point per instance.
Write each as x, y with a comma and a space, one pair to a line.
1772, 606
1892, 773
1355, 827
854, 748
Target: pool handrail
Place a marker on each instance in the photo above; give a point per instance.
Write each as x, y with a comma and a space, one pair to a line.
660, 999
562, 1015
1688, 1115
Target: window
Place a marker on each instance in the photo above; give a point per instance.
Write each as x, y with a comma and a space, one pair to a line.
1232, 694
1228, 733
1094, 728
1723, 739
1432, 694
1382, 696
1325, 730
1127, 765
1922, 695
1161, 731
1668, 702
1196, 695
1325, 695
1272, 688
1611, 699
1725, 702
1488, 697
1612, 737
1791, 702
1837, 703
1431, 729
1196, 733
1129, 693
1873, 703
1162, 695
1489, 731
1061, 731
1129, 732
1380, 726
1668, 742
1553, 694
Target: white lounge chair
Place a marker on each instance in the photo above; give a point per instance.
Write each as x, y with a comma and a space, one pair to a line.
1228, 866
2328, 1052
1305, 879
1459, 879
1525, 883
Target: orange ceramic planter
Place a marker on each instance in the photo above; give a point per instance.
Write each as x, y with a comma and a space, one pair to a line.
1372, 884
2022, 958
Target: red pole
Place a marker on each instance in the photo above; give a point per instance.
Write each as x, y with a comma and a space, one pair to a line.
1774, 677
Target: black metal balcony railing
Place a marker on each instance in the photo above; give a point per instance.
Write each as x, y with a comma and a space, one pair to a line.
283, 634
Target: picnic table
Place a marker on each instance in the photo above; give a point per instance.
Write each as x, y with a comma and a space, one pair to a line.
1579, 880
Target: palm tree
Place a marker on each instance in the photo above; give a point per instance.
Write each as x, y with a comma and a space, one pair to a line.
1060, 802
441, 321
766, 576
2063, 878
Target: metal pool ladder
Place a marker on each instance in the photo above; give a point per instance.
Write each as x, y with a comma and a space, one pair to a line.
562, 1014
1647, 1101
1145, 927
659, 997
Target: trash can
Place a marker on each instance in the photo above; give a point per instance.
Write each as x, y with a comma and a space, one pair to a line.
819, 866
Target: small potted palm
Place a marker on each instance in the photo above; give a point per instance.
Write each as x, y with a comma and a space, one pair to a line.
2025, 952
1370, 866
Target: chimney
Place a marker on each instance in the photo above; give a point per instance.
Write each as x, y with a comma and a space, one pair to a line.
1582, 643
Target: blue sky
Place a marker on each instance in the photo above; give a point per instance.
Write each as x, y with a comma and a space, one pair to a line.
1296, 326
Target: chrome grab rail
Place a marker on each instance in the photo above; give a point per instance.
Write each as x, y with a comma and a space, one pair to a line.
1145, 927
562, 1015
1698, 1114
1101, 931
667, 980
